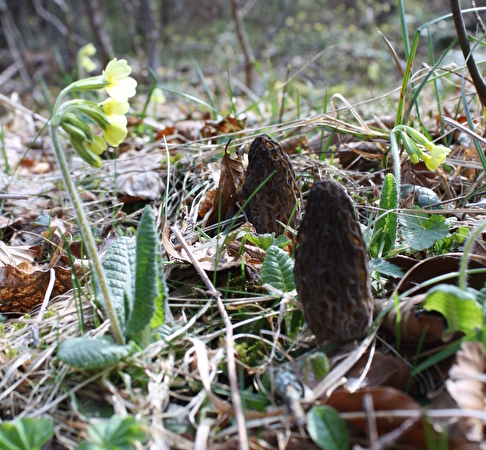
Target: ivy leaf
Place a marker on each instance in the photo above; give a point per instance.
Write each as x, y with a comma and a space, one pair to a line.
460, 308
119, 433
25, 434
327, 429
278, 269
147, 276
91, 353
420, 232
385, 232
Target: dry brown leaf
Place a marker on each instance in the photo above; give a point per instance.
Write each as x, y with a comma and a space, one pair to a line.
205, 255
466, 388
14, 255
232, 177
291, 145
196, 129
384, 399
20, 291
139, 176
414, 321
385, 370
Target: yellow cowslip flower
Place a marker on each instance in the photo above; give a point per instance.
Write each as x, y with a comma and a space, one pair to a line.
98, 146
116, 129
117, 82
84, 59
438, 154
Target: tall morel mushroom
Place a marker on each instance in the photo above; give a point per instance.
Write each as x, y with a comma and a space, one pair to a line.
331, 266
280, 196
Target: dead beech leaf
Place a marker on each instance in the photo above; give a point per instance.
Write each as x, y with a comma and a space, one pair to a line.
414, 322
205, 255
232, 177
291, 145
196, 129
466, 388
14, 255
384, 399
20, 290
437, 265
385, 370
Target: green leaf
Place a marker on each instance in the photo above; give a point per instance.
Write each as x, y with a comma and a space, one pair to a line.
327, 429
320, 364
158, 318
385, 267
91, 353
119, 433
119, 265
385, 232
460, 308
278, 269
420, 232
263, 241
147, 274
25, 434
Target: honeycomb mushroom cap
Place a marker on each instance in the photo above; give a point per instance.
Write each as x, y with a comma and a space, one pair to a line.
331, 266
278, 198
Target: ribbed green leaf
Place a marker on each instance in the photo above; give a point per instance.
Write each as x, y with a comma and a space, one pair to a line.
327, 429
90, 353
460, 308
385, 232
119, 265
25, 434
278, 269
147, 277
158, 318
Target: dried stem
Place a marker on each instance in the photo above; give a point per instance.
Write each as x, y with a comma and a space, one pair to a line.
478, 80
233, 379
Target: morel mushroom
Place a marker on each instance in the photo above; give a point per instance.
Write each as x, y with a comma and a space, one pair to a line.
331, 267
280, 196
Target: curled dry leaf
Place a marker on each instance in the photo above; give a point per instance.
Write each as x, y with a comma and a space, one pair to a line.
197, 129
205, 255
386, 370
384, 399
331, 270
21, 290
231, 179
466, 388
414, 321
280, 197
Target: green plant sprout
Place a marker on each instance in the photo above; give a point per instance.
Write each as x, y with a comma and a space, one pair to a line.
110, 116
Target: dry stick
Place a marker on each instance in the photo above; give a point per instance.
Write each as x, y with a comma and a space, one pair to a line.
478, 80
235, 393
478, 18
244, 42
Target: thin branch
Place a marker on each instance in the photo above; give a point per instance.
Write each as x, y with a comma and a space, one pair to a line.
233, 379
478, 80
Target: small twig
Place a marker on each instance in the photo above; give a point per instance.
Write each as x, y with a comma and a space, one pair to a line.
244, 42
233, 379
371, 421
478, 18
478, 80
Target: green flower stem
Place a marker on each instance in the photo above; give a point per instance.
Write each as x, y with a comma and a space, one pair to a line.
86, 234
476, 232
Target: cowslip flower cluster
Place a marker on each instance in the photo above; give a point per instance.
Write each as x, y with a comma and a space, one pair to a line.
419, 147
109, 115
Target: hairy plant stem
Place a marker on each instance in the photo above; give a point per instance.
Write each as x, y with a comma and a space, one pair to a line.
476, 232
86, 233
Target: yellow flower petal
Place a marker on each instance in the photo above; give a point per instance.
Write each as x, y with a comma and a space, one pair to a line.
116, 130
111, 106
98, 146
429, 162
119, 85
